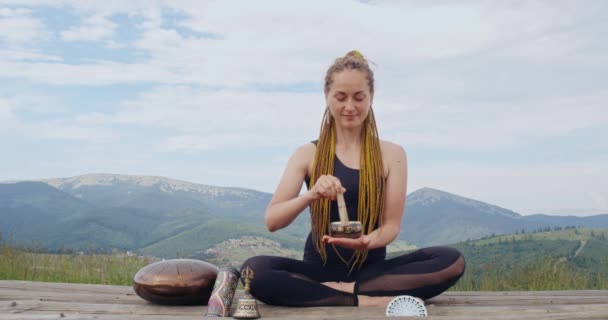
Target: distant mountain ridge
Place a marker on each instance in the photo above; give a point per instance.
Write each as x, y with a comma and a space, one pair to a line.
164, 184
434, 217
168, 217
426, 196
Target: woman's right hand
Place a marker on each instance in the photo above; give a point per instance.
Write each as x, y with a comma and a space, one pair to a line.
326, 187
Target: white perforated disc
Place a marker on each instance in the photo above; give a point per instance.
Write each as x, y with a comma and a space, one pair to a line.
405, 306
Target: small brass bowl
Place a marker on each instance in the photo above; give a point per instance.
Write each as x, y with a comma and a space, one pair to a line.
352, 229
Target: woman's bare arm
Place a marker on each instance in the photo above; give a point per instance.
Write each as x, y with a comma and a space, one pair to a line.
287, 203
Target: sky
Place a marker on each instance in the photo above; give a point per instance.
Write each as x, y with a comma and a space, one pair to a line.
499, 101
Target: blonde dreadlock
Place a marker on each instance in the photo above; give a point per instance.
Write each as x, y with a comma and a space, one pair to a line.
371, 174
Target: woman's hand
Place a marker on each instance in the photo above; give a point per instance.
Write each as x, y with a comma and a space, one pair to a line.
326, 187
358, 244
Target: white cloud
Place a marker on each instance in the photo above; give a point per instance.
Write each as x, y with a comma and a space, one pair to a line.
600, 200
258, 176
204, 142
225, 118
233, 118
92, 118
102, 73
65, 131
38, 104
493, 124
526, 189
114, 45
153, 18
450, 76
417, 57
14, 126
16, 54
19, 27
93, 29
397, 36
5, 110
8, 12
8, 120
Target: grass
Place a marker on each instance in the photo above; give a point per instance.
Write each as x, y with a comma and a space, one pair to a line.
116, 268
570, 259
119, 269
547, 274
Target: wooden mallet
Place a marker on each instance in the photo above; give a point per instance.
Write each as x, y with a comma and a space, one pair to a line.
345, 228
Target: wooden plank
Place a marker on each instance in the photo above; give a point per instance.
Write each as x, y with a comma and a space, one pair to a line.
515, 300
448, 297
35, 307
136, 317
529, 293
133, 299
64, 287
95, 316
152, 317
129, 298
69, 297
579, 316
40, 300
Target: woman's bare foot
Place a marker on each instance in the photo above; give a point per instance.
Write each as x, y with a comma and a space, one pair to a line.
348, 287
368, 301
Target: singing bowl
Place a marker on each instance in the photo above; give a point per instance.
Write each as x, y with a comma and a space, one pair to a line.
176, 282
352, 229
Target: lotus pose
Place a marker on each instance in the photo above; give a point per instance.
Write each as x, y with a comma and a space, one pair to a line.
349, 159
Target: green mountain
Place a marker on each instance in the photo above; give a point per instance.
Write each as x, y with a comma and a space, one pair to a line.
168, 218
434, 217
152, 215
573, 245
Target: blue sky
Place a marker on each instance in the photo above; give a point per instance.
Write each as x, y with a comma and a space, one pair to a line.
503, 102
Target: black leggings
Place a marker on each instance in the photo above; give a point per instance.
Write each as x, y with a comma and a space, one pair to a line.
423, 273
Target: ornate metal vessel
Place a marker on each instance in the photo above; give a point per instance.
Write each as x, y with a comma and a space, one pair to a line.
223, 292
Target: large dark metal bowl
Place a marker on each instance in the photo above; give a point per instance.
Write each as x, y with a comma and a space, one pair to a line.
176, 282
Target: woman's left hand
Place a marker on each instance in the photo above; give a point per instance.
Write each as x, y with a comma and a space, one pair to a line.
358, 244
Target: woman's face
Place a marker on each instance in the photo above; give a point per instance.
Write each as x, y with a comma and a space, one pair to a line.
349, 98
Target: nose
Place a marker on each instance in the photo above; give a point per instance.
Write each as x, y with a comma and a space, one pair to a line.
350, 105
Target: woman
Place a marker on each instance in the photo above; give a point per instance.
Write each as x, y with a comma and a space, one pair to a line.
349, 159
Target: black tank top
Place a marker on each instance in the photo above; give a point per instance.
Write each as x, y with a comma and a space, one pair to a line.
350, 181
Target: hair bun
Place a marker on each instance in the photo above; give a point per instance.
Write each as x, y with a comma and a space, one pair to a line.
356, 54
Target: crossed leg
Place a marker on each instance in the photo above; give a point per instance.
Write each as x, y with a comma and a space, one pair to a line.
423, 273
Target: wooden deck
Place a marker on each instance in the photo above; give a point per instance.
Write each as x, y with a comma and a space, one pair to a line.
42, 300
